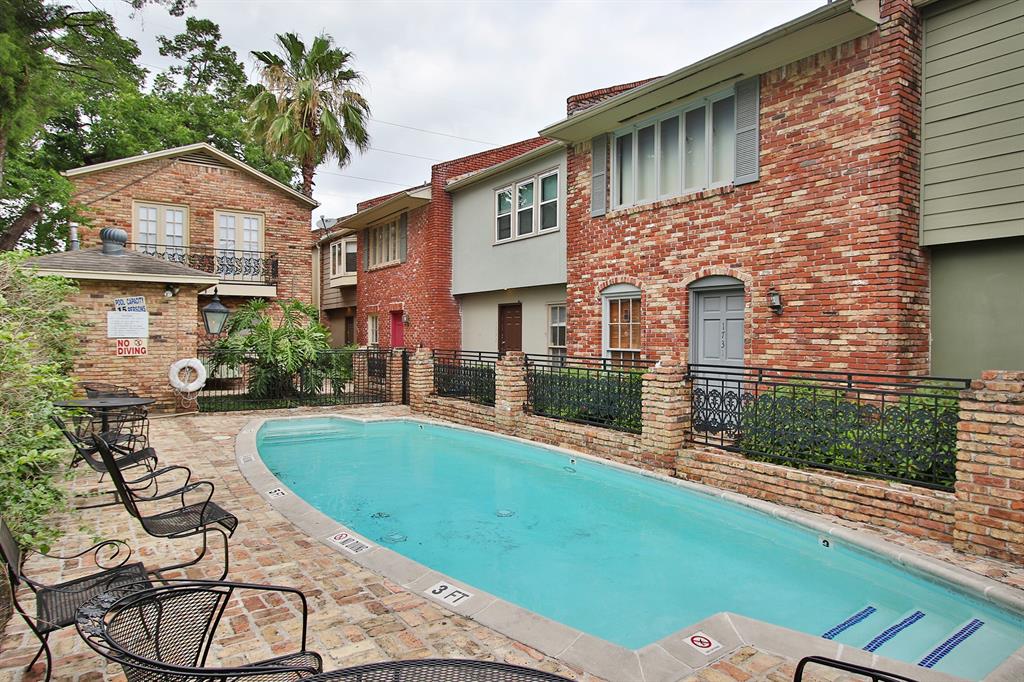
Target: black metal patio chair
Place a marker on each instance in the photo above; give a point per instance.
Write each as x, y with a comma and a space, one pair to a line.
57, 605
164, 633
129, 435
183, 519
97, 389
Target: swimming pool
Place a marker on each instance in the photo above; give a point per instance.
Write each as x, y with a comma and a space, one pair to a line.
621, 556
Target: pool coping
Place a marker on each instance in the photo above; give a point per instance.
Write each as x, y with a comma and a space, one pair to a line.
668, 660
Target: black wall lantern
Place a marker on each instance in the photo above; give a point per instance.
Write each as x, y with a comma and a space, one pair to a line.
775, 301
215, 315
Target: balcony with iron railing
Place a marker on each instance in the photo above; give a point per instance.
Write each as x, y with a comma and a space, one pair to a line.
235, 266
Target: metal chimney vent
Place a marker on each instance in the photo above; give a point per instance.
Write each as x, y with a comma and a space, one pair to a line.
113, 240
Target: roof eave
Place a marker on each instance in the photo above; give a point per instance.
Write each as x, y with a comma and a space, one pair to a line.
491, 171
825, 27
403, 201
126, 276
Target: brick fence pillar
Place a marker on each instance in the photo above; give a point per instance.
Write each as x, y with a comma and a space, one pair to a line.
666, 416
421, 377
361, 369
989, 509
509, 391
396, 377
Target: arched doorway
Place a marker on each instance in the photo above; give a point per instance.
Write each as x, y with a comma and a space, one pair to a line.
717, 317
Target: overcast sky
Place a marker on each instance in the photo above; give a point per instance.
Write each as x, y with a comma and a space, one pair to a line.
494, 72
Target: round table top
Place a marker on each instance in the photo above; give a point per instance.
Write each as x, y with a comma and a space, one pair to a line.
437, 670
107, 403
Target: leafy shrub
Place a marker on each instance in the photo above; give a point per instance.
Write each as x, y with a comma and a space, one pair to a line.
36, 350
610, 399
911, 436
282, 356
473, 382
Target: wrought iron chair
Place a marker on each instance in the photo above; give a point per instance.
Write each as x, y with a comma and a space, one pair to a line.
97, 389
57, 605
164, 633
129, 435
185, 519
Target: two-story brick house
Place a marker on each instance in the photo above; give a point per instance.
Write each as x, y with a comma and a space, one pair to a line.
758, 207
404, 290
197, 206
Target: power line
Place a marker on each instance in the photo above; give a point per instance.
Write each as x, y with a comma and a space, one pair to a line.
434, 132
413, 156
357, 177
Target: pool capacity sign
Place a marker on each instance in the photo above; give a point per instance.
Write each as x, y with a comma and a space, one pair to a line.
128, 325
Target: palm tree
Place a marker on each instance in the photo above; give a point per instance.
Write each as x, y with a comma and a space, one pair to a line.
306, 107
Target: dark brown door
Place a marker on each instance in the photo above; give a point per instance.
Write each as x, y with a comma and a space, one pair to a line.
350, 331
510, 327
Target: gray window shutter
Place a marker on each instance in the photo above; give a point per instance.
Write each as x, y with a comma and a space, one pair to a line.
598, 175
403, 237
748, 142
364, 244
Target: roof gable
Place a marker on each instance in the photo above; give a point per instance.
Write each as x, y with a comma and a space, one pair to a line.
199, 153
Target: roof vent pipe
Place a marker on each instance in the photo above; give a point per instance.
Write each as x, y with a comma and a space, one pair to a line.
73, 243
113, 241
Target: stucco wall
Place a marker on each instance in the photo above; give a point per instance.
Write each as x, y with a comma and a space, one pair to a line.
480, 316
481, 264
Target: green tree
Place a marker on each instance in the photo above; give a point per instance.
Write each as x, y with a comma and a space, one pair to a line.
306, 106
205, 66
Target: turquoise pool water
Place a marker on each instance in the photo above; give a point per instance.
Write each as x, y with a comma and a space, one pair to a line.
618, 555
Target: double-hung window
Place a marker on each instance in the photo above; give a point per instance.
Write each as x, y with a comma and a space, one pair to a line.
622, 323
161, 229
556, 330
343, 257
372, 330
382, 243
683, 151
526, 207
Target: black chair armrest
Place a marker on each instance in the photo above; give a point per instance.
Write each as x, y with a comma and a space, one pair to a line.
117, 547
160, 472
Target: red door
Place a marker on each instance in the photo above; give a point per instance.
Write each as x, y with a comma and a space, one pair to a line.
397, 329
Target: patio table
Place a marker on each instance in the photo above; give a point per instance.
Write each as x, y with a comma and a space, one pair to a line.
436, 670
103, 407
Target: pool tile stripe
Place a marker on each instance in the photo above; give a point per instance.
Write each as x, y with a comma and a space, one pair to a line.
954, 641
849, 622
893, 630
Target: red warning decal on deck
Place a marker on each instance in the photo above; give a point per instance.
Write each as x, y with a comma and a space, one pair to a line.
703, 642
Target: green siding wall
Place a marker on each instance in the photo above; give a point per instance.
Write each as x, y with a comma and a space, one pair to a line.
978, 307
973, 121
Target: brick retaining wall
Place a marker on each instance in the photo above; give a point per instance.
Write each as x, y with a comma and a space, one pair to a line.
916, 511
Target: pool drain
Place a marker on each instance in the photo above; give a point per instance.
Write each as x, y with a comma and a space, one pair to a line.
379, 515
394, 538
504, 513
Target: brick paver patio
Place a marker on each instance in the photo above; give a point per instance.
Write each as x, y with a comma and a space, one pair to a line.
355, 616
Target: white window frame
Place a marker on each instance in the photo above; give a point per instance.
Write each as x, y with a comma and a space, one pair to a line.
382, 244
618, 292
161, 224
372, 329
239, 239
339, 248
513, 187
552, 346
660, 192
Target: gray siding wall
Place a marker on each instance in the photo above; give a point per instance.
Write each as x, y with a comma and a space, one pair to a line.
973, 121
332, 297
480, 317
478, 263
978, 307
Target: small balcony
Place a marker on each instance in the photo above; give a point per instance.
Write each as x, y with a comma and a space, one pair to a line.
232, 266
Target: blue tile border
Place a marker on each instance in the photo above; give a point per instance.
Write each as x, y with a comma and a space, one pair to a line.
954, 641
893, 630
849, 622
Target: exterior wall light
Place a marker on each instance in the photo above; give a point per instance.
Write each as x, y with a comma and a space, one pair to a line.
775, 301
405, 318
215, 315
171, 290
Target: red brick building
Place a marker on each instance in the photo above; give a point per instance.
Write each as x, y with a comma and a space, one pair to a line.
197, 206
782, 171
404, 293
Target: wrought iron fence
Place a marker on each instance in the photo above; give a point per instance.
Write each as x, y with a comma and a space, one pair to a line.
896, 427
343, 376
600, 391
468, 375
230, 265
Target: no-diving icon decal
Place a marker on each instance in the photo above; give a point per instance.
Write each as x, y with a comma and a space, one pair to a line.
703, 642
